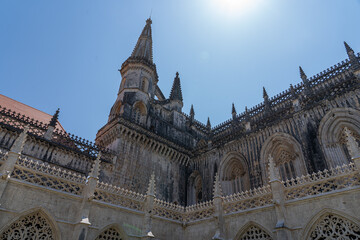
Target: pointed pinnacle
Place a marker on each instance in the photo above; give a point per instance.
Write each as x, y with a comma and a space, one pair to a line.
348, 48
351, 143
192, 112
217, 186
54, 118
151, 188
233, 110
176, 93
95, 170
302, 73
265, 95
208, 124
148, 21
19, 142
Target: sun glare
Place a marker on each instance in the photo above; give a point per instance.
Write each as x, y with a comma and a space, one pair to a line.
233, 8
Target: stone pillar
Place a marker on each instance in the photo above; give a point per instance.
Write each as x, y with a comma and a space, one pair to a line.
218, 202
10, 160
353, 148
82, 221
277, 189
49, 132
148, 209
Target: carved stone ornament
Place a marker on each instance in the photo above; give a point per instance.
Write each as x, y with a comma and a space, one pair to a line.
109, 234
254, 232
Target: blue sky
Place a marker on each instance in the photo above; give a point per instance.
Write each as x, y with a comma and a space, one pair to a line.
66, 53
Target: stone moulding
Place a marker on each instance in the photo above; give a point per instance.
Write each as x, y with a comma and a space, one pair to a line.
345, 178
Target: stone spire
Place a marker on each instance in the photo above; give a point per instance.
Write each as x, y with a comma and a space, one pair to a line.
54, 118
151, 191
176, 93
208, 124
273, 171
95, 170
351, 143
143, 48
265, 95
233, 111
304, 78
217, 187
355, 65
192, 112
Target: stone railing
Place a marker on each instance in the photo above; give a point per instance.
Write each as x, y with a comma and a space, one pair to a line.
119, 196
254, 198
334, 179
17, 122
43, 174
344, 177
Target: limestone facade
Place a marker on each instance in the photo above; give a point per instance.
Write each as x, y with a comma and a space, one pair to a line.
288, 168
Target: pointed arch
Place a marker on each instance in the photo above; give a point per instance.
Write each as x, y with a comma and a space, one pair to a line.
331, 134
234, 173
287, 154
36, 222
111, 232
139, 112
321, 224
252, 230
195, 188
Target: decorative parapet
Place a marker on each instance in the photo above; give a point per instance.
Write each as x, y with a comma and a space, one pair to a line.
254, 198
17, 122
344, 177
334, 179
48, 176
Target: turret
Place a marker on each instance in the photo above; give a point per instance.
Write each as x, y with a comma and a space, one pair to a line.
139, 79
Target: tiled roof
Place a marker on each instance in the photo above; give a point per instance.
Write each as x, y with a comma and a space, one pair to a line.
26, 110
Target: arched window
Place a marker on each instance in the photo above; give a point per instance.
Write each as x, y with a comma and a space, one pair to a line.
195, 188
253, 232
110, 234
144, 84
287, 155
333, 226
139, 113
31, 226
331, 134
234, 174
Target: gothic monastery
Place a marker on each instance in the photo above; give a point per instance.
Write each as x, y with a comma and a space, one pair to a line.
287, 168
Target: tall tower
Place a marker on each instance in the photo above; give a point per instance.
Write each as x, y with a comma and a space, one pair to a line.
139, 80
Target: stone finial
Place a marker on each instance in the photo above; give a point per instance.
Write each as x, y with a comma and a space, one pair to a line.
95, 170
192, 112
348, 48
292, 90
151, 188
54, 118
355, 64
176, 93
273, 171
265, 95
352, 145
302, 74
217, 186
233, 111
208, 124
19, 143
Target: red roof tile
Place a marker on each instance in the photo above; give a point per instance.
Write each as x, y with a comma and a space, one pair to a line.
26, 110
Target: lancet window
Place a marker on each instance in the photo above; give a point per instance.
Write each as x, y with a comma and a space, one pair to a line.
110, 234
332, 226
32, 226
234, 174
195, 189
253, 232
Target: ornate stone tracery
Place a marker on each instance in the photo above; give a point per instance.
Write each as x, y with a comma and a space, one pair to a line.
332, 226
253, 232
110, 234
33, 226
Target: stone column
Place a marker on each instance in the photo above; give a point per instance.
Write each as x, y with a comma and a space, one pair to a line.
218, 202
10, 160
82, 221
277, 189
353, 148
148, 209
